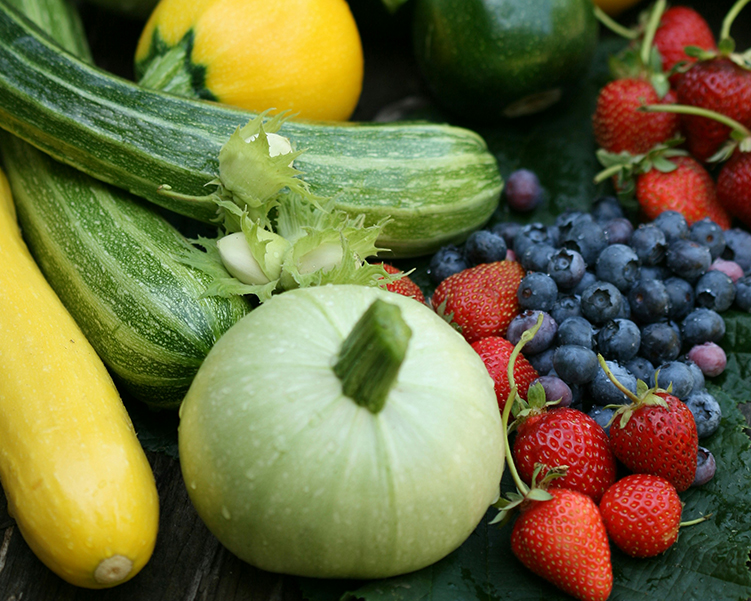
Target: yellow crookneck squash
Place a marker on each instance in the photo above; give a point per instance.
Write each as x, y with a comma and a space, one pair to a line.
303, 56
76, 478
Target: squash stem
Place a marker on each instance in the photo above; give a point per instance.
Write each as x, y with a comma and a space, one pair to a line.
371, 355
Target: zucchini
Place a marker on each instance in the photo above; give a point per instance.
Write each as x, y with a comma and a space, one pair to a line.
114, 262
437, 182
77, 481
119, 268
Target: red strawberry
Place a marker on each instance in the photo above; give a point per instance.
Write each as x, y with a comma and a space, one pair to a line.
642, 514
688, 189
495, 353
657, 435
681, 26
720, 85
564, 541
619, 126
565, 436
481, 300
404, 285
734, 186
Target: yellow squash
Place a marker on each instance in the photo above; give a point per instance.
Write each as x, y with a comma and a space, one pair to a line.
304, 56
77, 480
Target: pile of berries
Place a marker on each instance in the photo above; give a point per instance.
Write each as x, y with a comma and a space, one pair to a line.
653, 143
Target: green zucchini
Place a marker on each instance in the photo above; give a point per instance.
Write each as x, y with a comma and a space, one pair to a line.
116, 264
117, 267
437, 182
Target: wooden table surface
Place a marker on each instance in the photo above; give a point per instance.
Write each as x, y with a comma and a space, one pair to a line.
188, 562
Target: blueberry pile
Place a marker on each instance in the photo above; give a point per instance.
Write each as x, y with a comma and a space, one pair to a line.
648, 298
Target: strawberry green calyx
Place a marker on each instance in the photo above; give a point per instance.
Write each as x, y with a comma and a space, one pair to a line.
726, 44
624, 166
645, 396
536, 492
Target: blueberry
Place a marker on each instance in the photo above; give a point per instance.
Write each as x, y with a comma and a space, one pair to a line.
587, 280
565, 306
532, 233
618, 230
537, 291
682, 297
483, 246
649, 244
619, 340
566, 220
677, 374
556, 390
602, 415
447, 261
543, 361
697, 373
526, 320
743, 293
576, 330
660, 342
738, 248
604, 392
706, 466
729, 268
702, 325
507, 230
575, 364
523, 190
709, 357
707, 233
673, 224
707, 412
649, 301
536, 256
586, 237
715, 290
566, 267
688, 259
619, 265
654, 272
606, 208
601, 302
642, 369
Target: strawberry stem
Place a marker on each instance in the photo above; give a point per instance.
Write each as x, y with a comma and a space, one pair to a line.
526, 337
614, 26
649, 32
630, 395
703, 518
729, 18
701, 112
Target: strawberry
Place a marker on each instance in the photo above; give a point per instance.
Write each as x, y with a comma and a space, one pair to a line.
481, 301
681, 26
642, 514
734, 186
716, 84
655, 434
565, 436
688, 189
619, 126
564, 541
495, 352
404, 285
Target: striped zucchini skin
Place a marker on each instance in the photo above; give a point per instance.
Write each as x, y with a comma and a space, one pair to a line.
114, 263
437, 182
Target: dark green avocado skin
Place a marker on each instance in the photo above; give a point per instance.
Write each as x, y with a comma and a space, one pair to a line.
493, 59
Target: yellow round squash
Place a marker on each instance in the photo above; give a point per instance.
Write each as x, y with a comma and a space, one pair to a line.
76, 478
304, 56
